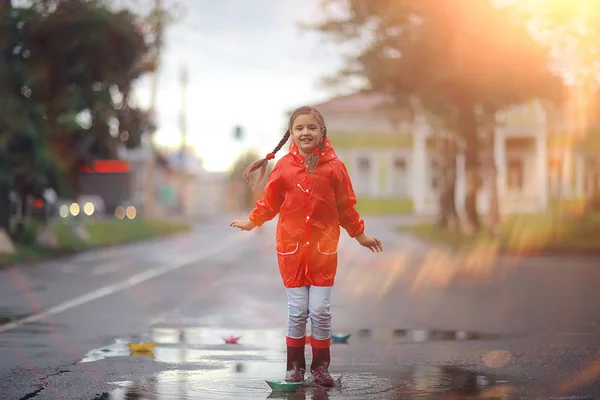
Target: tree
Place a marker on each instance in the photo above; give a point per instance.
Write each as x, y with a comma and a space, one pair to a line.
66, 74
85, 58
572, 28
26, 166
6, 40
463, 60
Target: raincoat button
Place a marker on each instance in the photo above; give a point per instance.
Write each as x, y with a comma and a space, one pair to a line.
307, 242
307, 217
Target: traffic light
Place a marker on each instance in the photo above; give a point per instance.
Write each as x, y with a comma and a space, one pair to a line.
238, 133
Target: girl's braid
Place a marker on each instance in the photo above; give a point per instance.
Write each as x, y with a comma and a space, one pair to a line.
262, 164
284, 139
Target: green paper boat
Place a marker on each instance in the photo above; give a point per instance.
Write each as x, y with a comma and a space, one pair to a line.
280, 386
340, 338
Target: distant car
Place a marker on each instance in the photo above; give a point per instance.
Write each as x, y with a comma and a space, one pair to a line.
39, 208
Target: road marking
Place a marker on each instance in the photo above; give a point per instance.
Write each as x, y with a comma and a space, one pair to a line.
125, 284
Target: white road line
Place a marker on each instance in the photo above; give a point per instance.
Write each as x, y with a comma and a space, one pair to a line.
125, 284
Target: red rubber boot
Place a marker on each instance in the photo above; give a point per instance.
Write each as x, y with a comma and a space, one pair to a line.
320, 367
296, 364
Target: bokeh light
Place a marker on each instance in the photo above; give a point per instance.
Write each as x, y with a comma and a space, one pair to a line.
63, 211
88, 208
74, 209
131, 212
120, 213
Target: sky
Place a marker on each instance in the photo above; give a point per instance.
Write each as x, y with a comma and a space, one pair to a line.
249, 63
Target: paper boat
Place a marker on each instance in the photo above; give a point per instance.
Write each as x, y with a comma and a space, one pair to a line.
340, 338
141, 347
282, 386
232, 339
142, 354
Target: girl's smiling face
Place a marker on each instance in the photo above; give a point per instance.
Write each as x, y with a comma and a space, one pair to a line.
306, 133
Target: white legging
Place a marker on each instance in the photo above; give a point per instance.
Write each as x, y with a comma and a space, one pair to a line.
313, 301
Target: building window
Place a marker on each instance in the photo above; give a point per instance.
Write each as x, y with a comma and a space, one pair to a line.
400, 178
400, 164
515, 174
364, 164
434, 175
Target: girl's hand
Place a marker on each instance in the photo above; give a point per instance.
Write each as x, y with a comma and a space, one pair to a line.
373, 244
246, 225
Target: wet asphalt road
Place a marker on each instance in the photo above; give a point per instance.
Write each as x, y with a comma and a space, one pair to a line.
423, 322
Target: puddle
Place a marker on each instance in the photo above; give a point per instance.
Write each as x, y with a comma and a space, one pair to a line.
193, 344
179, 355
399, 336
197, 345
229, 383
230, 371
190, 344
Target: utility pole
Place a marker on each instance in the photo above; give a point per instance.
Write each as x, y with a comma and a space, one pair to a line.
157, 26
183, 80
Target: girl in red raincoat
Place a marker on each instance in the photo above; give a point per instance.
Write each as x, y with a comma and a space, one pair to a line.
311, 190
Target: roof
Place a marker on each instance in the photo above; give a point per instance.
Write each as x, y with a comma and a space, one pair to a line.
360, 102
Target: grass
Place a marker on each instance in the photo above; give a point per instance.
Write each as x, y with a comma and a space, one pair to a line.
101, 234
384, 206
553, 232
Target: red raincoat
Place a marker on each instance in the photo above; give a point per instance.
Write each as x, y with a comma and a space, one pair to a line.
312, 208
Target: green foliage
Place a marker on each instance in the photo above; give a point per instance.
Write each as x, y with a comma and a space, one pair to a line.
90, 76
66, 73
450, 54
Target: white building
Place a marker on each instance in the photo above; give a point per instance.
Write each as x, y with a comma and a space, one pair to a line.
389, 155
178, 189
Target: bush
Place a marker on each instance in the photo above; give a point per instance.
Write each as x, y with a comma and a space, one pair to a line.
25, 233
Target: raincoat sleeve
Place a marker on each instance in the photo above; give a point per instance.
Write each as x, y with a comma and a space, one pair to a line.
346, 200
268, 206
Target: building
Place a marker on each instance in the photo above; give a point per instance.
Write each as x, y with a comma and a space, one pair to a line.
176, 188
389, 154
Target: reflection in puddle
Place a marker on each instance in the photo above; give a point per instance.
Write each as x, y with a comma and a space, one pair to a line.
399, 336
178, 355
209, 336
401, 383
197, 345
193, 344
